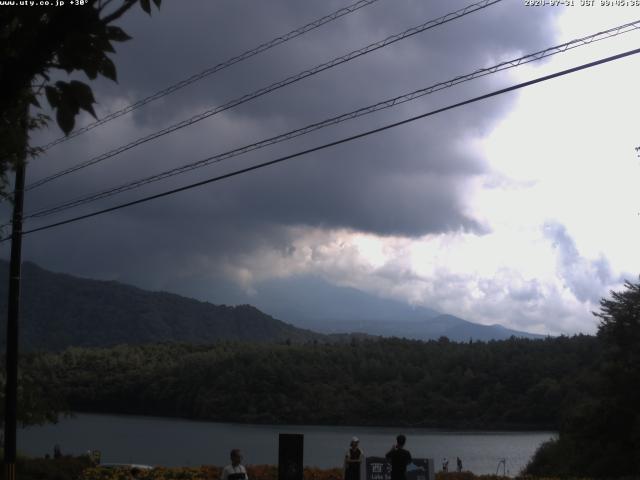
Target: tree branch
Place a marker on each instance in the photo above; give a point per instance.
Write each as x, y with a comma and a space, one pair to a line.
118, 12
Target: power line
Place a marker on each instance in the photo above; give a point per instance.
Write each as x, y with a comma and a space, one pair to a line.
339, 119
337, 142
211, 70
274, 86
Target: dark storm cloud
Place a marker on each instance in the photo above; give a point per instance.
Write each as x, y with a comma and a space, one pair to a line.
409, 181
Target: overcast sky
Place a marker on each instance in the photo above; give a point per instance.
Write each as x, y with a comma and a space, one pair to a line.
520, 210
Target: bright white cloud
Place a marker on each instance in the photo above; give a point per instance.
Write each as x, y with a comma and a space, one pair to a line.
526, 281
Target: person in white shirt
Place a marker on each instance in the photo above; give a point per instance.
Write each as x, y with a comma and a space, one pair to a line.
235, 471
353, 461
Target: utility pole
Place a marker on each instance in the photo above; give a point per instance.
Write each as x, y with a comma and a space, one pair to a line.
11, 388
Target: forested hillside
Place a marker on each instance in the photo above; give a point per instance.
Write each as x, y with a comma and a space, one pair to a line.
516, 383
58, 311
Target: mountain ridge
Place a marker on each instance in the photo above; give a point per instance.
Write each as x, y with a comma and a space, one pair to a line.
357, 311
459, 330
61, 310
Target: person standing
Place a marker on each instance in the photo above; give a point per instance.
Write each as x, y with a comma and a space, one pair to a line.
400, 458
236, 470
353, 461
459, 464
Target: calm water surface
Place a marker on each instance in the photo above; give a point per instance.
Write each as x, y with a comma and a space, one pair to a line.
177, 442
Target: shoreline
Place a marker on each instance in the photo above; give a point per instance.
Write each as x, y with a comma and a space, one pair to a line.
442, 428
151, 440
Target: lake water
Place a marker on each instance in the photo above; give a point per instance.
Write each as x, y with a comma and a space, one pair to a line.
177, 442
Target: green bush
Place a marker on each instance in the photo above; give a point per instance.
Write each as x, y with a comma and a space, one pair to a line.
64, 468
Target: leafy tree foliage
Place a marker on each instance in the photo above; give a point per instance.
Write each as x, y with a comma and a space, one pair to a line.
39, 401
34, 41
516, 383
601, 436
38, 40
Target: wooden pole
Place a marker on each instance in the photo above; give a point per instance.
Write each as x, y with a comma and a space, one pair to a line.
13, 314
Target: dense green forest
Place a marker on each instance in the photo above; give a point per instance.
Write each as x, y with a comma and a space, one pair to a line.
517, 383
600, 433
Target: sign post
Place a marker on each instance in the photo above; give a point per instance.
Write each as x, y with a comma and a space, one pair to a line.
379, 468
290, 456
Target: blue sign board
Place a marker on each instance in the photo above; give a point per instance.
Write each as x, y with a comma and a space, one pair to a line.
379, 468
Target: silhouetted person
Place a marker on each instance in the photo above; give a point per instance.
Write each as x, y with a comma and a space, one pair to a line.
353, 460
459, 464
399, 458
57, 453
445, 465
235, 471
